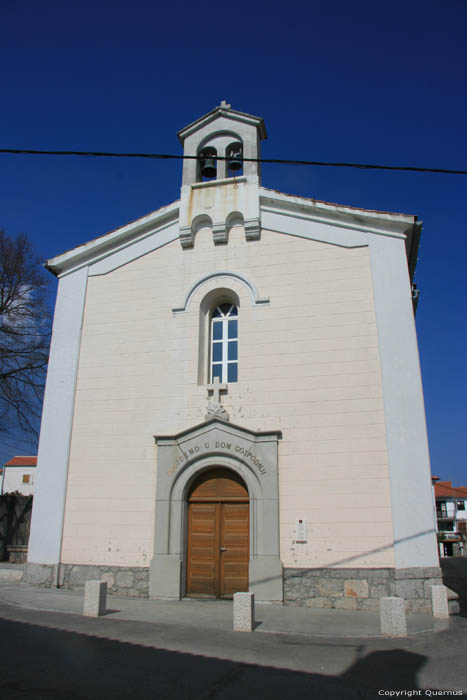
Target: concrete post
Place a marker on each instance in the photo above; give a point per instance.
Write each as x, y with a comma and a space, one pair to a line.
95, 598
439, 599
243, 612
392, 615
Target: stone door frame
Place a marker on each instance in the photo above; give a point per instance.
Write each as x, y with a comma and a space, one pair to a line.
180, 460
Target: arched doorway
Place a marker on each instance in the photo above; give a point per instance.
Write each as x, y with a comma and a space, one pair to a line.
218, 535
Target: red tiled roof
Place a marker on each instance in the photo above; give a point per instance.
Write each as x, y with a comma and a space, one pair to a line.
22, 461
445, 489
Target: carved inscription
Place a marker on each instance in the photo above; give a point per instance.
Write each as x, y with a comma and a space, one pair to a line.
213, 447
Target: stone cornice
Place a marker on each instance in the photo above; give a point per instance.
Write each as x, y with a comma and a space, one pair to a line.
228, 113
362, 219
212, 423
113, 241
366, 221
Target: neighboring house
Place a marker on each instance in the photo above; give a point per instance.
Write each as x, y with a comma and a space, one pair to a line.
19, 475
451, 516
234, 399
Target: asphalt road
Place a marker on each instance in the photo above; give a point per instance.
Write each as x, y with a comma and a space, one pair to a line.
57, 656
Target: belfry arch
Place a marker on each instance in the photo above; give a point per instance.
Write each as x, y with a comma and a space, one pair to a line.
181, 458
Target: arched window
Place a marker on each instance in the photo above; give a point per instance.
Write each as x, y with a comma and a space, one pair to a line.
224, 343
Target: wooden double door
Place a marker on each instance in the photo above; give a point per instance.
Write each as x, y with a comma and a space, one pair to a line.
218, 535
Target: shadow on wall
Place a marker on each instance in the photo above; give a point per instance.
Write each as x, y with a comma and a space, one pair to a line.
385, 548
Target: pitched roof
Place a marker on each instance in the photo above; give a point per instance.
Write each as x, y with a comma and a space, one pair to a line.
445, 489
226, 111
22, 461
388, 223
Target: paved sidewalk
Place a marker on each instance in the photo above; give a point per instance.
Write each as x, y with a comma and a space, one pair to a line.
187, 650
216, 614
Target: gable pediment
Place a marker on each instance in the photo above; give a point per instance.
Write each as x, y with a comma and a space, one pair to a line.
216, 438
298, 216
119, 247
336, 224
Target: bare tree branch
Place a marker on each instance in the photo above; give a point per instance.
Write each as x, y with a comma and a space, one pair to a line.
25, 323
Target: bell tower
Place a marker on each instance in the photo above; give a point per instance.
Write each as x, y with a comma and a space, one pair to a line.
220, 183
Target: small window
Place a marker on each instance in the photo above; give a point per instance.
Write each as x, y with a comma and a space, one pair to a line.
462, 526
224, 343
460, 505
441, 508
26, 478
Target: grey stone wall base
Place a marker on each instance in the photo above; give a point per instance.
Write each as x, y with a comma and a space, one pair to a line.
131, 582
265, 579
126, 581
361, 589
40, 574
422, 572
12, 573
346, 589
165, 576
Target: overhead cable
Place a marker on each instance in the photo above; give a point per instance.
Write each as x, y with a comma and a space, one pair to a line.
167, 156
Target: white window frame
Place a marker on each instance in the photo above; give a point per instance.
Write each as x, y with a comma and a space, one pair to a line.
224, 341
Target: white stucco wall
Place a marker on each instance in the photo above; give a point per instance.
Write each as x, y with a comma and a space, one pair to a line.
309, 365
12, 480
57, 418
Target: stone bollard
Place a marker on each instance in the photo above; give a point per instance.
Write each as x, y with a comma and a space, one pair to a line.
439, 600
95, 598
392, 615
243, 612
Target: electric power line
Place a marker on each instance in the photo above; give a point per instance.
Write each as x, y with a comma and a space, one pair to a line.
167, 156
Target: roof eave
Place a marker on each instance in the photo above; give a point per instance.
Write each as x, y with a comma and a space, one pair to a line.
87, 252
390, 222
217, 112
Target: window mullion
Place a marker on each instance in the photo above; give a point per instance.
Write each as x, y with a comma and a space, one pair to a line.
225, 329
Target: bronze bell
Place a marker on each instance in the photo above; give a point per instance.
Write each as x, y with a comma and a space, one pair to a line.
208, 162
235, 157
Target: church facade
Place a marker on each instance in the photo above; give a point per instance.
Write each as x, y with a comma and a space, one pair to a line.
234, 399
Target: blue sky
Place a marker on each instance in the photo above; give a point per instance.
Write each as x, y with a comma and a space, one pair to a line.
334, 81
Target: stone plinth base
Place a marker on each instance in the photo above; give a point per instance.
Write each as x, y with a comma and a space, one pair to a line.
12, 573
345, 589
131, 582
361, 589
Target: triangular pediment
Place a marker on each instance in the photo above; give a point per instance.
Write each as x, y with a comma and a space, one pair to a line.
226, 113
217, 427
280, 212
218, 442
146, 233
341, 224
